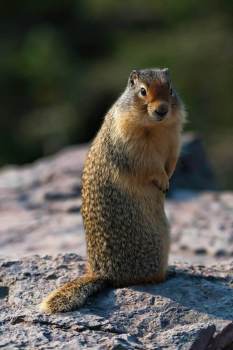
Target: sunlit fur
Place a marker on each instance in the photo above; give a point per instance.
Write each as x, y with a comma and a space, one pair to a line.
125, 175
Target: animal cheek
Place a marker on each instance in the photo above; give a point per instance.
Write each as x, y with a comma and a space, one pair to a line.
152, 106
150, 96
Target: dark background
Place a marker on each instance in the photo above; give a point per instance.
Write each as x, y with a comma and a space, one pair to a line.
63, 63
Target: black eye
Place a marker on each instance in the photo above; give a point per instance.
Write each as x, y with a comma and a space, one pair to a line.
143, 91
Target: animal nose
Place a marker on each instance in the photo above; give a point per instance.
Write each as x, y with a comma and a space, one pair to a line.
161, 110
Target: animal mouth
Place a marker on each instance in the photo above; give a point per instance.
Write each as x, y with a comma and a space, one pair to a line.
159, 118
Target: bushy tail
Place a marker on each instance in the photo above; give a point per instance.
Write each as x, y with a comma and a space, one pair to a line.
72, 294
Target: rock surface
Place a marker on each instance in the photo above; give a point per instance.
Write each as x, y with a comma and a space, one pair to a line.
165, 316
40, 206
40, 213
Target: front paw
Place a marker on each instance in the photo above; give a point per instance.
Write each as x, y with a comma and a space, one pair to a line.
162, 183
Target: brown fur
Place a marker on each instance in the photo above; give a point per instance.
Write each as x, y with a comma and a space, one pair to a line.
126, 171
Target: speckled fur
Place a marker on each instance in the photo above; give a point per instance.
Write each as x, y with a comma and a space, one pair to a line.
127, 168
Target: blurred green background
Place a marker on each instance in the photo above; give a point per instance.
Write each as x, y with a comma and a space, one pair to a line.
63, 63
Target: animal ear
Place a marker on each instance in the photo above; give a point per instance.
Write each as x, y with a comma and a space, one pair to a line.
133, 77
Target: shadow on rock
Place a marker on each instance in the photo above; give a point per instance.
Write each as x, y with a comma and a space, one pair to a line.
209, 294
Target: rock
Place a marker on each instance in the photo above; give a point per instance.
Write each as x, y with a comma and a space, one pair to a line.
193, 171
40, 206
40, 213
173, 315
202, 228
206, 339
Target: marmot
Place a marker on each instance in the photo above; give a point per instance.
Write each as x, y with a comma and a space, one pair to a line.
126, 173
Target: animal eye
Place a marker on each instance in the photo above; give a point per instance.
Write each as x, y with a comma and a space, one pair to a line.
143, 91
171, 91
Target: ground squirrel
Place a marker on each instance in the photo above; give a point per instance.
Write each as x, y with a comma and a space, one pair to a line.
126, 173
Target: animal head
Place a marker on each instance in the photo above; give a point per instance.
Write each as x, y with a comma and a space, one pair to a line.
154, 96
